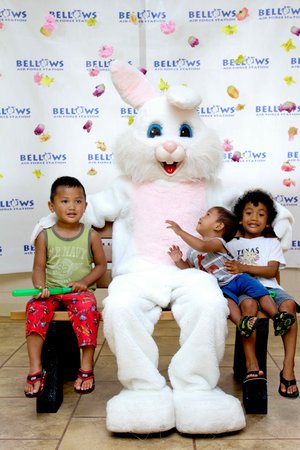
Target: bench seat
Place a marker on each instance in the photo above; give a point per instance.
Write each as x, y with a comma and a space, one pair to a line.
63, 315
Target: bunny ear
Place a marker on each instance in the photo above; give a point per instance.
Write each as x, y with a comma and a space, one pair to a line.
132, 85
183, 97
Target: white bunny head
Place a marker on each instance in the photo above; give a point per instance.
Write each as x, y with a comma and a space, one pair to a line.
168, 140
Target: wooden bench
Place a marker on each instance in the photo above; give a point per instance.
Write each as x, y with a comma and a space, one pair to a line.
61, 355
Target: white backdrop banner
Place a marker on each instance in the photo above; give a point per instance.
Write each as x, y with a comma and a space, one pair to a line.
60, 115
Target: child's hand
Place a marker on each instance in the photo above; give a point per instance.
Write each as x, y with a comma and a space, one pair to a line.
175, 253
78, 286
174, 226
233, 267
44, 294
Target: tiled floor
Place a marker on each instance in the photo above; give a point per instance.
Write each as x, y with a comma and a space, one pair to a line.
80, 422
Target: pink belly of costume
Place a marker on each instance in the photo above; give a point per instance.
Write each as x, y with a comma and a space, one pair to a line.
152, 205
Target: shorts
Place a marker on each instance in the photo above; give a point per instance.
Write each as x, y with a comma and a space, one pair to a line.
280, 296
246, 285
82, 310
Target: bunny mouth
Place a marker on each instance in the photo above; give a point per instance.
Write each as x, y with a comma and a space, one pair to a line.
170, 169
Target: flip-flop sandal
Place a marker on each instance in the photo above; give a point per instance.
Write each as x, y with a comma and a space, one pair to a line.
287, 384
32, 378
247, 325
85, 375
282, 322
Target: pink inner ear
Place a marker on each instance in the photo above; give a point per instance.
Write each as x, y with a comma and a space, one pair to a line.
132, 85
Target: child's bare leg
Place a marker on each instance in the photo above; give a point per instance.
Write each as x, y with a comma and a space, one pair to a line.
268, 305
289, 342
87, 363
250, 356
234, 311
249, 307
34, 348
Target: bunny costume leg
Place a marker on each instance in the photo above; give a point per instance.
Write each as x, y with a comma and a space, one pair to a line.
147, 404
130, 313
201, 313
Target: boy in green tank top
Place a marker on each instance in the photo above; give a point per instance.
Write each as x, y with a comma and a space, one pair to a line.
69, 254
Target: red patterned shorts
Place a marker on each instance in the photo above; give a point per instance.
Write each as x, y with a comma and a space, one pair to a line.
82, 310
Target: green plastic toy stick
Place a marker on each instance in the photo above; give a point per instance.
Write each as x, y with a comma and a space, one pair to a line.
33, 292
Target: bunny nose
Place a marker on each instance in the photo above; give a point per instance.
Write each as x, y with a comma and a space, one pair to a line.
170, 146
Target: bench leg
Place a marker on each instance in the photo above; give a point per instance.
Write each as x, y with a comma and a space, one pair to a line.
69, 352
61, 360
255, 396
254, 391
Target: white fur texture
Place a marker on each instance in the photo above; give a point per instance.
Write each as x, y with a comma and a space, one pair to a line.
142, 411
135, 153
207, 412
183, 97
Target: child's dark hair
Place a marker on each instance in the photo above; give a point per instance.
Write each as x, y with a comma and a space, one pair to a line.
255, 197
230, 222
67, 182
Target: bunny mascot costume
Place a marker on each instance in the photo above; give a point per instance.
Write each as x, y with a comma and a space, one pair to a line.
168, 162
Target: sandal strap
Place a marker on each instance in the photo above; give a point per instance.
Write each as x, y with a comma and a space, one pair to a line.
286, 382
245, 326
252, 372
85, 374
32, 378
256, 373
284, 318
282, 322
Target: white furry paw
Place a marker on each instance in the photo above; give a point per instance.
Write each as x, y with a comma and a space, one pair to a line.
207, 412
141, 411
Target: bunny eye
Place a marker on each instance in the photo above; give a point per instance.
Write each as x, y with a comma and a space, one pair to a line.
154, 130
185, 130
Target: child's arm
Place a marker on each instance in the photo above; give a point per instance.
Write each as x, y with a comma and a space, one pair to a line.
39, 266
100, 265
269, 271
176, 254
212, 245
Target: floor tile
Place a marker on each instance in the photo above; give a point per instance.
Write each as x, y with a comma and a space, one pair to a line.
80, 422
94, 404
27, 424
106, 369
19, 358
163, 329
12, 381
91, 433
249, 444
21, 444
168, 345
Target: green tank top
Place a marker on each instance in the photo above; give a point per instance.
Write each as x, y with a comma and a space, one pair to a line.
68, 259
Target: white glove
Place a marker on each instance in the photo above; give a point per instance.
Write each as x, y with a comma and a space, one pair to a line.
283, 226
45, 222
